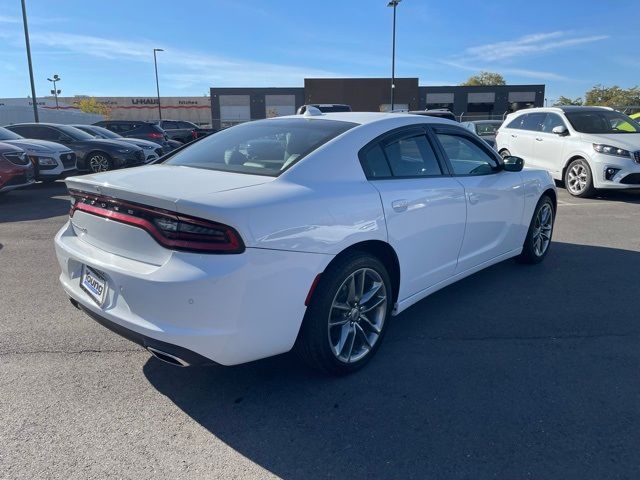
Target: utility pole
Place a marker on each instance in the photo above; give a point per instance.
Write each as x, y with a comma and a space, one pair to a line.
394, 4
155, 62
34, 100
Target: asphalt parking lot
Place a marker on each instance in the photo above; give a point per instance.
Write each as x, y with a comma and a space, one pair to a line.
516, 372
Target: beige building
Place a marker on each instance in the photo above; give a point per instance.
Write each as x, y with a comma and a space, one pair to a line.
191, 109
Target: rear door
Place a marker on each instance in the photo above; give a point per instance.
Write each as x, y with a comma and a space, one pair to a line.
424, 207
495, 198
530, 130
516, 139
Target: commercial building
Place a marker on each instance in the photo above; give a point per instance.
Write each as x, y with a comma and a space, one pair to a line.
230, 106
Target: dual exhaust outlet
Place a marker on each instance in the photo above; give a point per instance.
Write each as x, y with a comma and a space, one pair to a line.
167, 357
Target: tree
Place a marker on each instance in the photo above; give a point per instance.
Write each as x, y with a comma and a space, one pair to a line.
613, 96
91, 105
485, 78
567, 101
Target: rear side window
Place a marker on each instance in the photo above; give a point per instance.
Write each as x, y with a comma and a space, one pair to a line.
263, 147
375, 163
412, 157
170, 125
533, 121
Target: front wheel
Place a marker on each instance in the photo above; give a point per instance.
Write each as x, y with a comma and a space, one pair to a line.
347, 318
578, 179
99, 162
538, 240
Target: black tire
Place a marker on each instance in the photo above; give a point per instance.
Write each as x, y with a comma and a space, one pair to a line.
579, 189
504, 153
104, 159
530, 253
314, 343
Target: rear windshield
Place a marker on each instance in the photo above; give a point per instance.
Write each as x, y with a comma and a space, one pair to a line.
263, 147
487, 128
602, 121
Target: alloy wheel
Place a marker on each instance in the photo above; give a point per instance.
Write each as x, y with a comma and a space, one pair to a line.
542, 230
578, 177
357, 315
98, 163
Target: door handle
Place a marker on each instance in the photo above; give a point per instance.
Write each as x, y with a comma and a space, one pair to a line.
473, 198
400, 205
538, 139
514, 136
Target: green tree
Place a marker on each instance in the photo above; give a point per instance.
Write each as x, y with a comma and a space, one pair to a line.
485, 78
562, 100
613, 96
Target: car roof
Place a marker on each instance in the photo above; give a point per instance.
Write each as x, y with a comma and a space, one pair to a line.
562, 109
363, 118
44, 124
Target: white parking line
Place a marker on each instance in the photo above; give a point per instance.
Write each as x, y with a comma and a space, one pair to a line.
568, 204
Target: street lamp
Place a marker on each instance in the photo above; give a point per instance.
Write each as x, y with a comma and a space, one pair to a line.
155, 62
394, 4
55, 91
33, 86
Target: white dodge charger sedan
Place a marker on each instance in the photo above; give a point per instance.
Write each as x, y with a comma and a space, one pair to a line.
305, 232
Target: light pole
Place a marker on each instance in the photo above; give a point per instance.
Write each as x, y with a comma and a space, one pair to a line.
155, 62
394, 4
33, 86
55, 91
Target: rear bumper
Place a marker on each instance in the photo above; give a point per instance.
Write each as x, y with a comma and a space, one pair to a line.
192, 358
229, 309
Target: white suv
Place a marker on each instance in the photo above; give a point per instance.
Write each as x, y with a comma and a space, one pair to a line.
586, 147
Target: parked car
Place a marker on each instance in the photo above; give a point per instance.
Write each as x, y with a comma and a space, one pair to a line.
152, 150
325, 107
137, 129
50, 160
92, 154
436, 112
586, 147
485, 129
363, 215
182, 131
16, 169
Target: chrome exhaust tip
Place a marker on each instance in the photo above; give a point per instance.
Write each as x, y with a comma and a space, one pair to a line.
167, 357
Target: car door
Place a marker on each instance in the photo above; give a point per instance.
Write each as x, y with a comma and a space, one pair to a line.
519, 140
530, 129
549, 147
424, 207
495, 198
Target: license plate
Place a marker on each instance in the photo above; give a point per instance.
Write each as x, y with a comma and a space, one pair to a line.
94, 284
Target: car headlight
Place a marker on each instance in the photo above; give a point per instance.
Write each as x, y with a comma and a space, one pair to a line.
47, 161
123, 150
609, 150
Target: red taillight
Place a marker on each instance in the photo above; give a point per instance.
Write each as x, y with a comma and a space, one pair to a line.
170, 229
156, 135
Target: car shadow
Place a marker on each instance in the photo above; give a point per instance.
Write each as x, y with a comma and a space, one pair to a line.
624, 196
515, 372
36, 202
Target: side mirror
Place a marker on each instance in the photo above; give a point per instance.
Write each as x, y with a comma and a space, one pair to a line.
560, 130
513, 164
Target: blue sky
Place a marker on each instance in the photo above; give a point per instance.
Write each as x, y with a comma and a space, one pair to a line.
105, 47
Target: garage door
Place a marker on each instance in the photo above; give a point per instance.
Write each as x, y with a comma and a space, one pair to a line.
279, 105
234, 109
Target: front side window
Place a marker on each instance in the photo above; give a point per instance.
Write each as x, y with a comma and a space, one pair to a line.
602, 121
552, 121
465, 156
516, 123
263, 147
412, 157
170, 125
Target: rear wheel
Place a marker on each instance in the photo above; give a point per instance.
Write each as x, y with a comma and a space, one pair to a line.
99, 162
538, 240
347, 318
578, 179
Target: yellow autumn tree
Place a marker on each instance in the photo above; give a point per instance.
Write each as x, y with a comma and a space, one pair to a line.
91, 105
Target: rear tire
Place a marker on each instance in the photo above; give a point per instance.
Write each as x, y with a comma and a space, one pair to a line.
538, 240
346, 320
578, 179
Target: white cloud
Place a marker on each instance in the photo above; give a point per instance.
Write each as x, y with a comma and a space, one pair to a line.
537, 74
529, 45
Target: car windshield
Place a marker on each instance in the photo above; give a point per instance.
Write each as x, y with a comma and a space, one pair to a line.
602, 121
8, 135
487, 128
74, 133
263, 147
